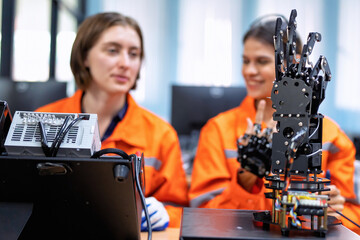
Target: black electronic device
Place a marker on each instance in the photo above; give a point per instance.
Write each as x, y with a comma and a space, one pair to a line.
28, 96
192, 106
68, 198
216, 224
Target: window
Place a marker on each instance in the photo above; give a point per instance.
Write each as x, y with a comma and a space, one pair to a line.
67, 29
32, 39
206, 36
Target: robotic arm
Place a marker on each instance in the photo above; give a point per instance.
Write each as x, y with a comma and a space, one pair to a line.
297, 93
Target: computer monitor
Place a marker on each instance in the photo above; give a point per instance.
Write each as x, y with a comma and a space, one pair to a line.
193, 106
69, 198
28, 96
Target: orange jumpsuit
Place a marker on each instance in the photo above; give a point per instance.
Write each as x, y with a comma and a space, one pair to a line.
143, 131
214, 177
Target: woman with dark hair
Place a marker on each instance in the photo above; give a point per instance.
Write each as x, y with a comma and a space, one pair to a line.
218, 180
106, 58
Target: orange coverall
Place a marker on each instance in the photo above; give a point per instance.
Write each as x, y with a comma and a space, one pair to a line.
214, 177
141, 130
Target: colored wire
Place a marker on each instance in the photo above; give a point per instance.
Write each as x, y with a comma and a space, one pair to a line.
293, 214
44, 142
287, 178
317, 127
344, 216
56, 138
314, 153
110, 150
63, 134
277, 202
138, 165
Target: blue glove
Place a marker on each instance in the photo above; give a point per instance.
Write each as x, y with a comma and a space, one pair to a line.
159, 217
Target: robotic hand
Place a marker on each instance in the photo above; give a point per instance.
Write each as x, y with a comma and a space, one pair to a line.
254, 152
254, 147
297, 93
159, 217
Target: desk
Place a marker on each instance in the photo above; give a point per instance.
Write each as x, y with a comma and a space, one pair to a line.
168, 234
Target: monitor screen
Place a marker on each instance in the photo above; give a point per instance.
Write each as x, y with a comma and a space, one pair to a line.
71, 198
192, 106
28, 96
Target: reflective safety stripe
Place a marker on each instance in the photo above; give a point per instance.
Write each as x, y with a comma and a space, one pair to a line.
328, 146
153, 162
357, 181
196, 202
172, 204
231, 153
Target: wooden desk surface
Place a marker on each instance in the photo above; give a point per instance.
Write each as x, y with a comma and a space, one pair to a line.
168, 234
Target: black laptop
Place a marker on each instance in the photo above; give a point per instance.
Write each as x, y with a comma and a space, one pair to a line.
68, 198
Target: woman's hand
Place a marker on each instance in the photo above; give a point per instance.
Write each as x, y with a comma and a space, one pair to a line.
255, 128
254, 162
159, 218
336, 201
